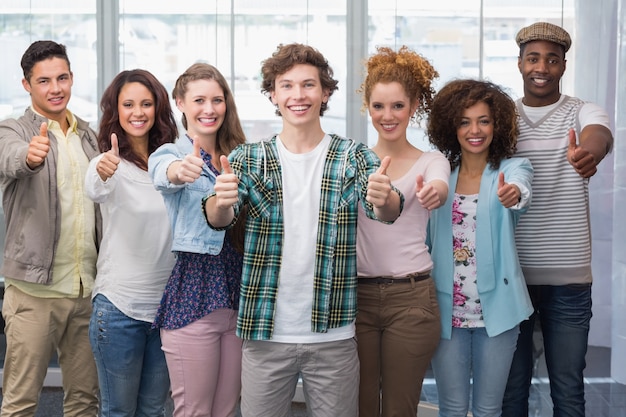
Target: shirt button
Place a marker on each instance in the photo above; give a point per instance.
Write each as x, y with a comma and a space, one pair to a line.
506, 281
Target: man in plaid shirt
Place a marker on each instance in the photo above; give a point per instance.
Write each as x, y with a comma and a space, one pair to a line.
302, 188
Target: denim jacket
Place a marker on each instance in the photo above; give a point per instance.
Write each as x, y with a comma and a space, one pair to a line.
184, 202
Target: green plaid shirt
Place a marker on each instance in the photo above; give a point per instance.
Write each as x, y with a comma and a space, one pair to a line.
344, 183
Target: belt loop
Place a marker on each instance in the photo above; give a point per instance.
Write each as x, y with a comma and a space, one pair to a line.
412, 282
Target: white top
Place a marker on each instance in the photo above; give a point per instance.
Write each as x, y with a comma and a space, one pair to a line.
589, 113
135, 260
302, 182
399, 249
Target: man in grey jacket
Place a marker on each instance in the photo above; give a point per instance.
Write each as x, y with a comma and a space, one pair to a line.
52, 234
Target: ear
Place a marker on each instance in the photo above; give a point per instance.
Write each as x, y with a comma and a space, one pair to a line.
325, 96
26, 85
179, 105
414, 106
273, 97
519, 63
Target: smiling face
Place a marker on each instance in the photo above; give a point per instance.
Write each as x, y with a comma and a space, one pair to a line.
50, 88
299, 95
204, 106
475, 131
391, 110
542, 65
136, 109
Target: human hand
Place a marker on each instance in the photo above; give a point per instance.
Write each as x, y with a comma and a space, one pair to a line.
226, 186
427, 195
508, 194
190, 167
581, 159
38, 147
379, 185
110, 160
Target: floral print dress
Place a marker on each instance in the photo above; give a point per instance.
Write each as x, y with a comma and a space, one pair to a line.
466, 309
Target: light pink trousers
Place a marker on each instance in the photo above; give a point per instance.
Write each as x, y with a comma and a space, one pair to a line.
204, 362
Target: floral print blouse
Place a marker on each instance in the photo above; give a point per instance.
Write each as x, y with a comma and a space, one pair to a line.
466, 311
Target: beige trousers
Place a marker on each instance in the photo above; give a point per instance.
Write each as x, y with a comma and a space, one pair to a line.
35, 328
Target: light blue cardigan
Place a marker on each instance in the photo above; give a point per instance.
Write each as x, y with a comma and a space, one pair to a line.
501, 286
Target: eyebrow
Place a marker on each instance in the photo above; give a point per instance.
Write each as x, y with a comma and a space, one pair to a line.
285, 80
477, 117
539, 54
45, 77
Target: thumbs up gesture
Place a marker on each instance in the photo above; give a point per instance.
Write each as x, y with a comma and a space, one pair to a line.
379, 185
508, 194
110, 160
581, 159
426, 194
38, 147
226, 186
190, 167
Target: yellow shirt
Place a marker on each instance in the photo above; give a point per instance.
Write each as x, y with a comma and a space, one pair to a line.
75, 257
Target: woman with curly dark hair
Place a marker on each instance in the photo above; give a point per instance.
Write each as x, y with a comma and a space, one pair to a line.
480, 287
135, 260
397, 324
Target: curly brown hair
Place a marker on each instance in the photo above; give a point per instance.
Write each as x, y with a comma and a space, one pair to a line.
163, 131
286, 57
410, 69
447, 110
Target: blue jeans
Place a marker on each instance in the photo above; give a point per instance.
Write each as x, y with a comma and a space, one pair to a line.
471, 353
564, 313
132, 372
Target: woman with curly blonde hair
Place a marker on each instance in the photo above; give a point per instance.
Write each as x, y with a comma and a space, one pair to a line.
397, 325
481, 291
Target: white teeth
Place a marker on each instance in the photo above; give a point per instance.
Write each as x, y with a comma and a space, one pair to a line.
388, 126
298, 108
203, 120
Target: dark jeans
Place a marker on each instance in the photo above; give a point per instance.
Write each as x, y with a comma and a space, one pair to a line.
564, 313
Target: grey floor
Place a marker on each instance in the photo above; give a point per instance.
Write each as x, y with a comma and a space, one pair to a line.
604, 397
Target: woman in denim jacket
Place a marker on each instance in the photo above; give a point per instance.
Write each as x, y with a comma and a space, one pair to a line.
198, 312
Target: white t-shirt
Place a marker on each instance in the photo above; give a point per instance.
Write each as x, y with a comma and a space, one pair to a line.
302, 182
135, 260
590, 113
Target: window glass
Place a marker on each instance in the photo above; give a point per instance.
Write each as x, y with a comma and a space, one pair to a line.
462, 42
25, 21
235, 41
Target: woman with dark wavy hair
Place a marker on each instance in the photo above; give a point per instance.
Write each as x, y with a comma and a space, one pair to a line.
481, 291
135, 260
